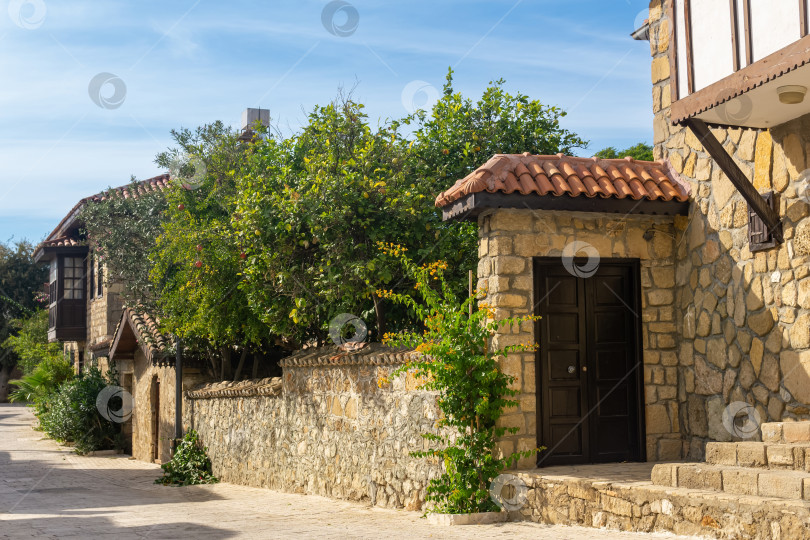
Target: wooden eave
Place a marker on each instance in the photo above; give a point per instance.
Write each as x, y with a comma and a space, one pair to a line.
45, 254
746, 79
126, 340
470, 206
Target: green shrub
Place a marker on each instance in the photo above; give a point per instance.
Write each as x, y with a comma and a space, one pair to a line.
459, 363
189, 465
41, 385
72, 414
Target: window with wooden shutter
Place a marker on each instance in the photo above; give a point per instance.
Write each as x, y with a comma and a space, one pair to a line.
759, 237
100, 292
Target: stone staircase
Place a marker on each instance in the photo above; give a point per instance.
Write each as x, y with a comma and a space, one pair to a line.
778, 467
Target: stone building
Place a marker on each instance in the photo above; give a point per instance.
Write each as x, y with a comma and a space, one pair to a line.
673, 294
87, 315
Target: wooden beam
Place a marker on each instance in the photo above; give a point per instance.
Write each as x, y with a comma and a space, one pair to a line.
472, 205
672, 13
735, 41
737, 177
749, 52
802, 18
687, 30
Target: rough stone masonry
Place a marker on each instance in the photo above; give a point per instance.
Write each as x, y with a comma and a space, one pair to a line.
331, 426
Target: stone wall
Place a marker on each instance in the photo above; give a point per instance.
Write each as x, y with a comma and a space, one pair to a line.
508, 241
332, 426
618, 500
103, 312
743, 317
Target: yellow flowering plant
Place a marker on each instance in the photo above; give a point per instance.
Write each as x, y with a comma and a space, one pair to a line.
455, 359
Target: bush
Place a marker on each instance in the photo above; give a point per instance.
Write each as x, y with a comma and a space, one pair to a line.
72, 414
459, 363
41, 385
189, 465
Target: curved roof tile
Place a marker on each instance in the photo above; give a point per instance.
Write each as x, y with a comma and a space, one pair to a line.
562, 175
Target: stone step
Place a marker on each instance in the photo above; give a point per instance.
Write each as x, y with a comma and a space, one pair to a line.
761, 455
788, 484
786, 432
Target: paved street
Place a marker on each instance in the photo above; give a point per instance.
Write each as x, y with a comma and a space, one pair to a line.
48, 492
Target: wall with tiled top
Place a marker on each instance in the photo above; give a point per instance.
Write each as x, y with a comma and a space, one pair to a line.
743, 318
342, 428
509, 239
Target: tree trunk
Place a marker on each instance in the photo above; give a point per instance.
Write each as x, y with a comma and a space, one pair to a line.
213, 364
226, 364
5, 376
255, 366
241, 364
379, 310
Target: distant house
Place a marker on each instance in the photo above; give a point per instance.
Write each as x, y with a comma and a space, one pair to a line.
87, 315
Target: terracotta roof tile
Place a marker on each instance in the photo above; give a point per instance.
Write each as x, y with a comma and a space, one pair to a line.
146, 330
62, 241
560, 175
132, 191
59, 234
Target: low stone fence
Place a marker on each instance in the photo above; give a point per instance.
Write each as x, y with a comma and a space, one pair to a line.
332, 425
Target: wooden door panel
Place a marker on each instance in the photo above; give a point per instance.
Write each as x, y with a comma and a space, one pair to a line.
562, 291
564, 366
566, 439
612, 351
612, 401
611, 363
560, 295
612, 439
565, 403
563, 328
609, 327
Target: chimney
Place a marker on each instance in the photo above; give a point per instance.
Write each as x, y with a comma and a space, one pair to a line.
249, 119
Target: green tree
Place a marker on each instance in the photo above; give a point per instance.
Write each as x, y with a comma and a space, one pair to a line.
277, 235
73, 414
197, 258
311, 227
30, 342
458, 135
39, 387
122, 232
20, 279
641, 151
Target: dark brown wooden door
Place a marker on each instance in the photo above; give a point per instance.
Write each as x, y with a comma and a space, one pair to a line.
589, 373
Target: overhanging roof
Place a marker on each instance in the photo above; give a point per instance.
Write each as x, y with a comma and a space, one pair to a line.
567, 183
748, 98
138, 330
65, 233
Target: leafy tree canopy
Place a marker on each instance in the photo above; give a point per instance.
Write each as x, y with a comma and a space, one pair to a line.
263, 242
30, 342
20, 280
122, 232
641, 151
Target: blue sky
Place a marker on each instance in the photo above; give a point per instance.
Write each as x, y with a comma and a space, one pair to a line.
189, 62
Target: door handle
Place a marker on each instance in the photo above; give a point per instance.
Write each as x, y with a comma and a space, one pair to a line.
584, 368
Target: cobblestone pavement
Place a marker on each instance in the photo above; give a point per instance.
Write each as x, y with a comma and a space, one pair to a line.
46, 491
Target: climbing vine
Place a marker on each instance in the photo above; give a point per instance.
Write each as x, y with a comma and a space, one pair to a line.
456, 360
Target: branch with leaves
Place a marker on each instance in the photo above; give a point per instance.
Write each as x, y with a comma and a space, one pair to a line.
455, 359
